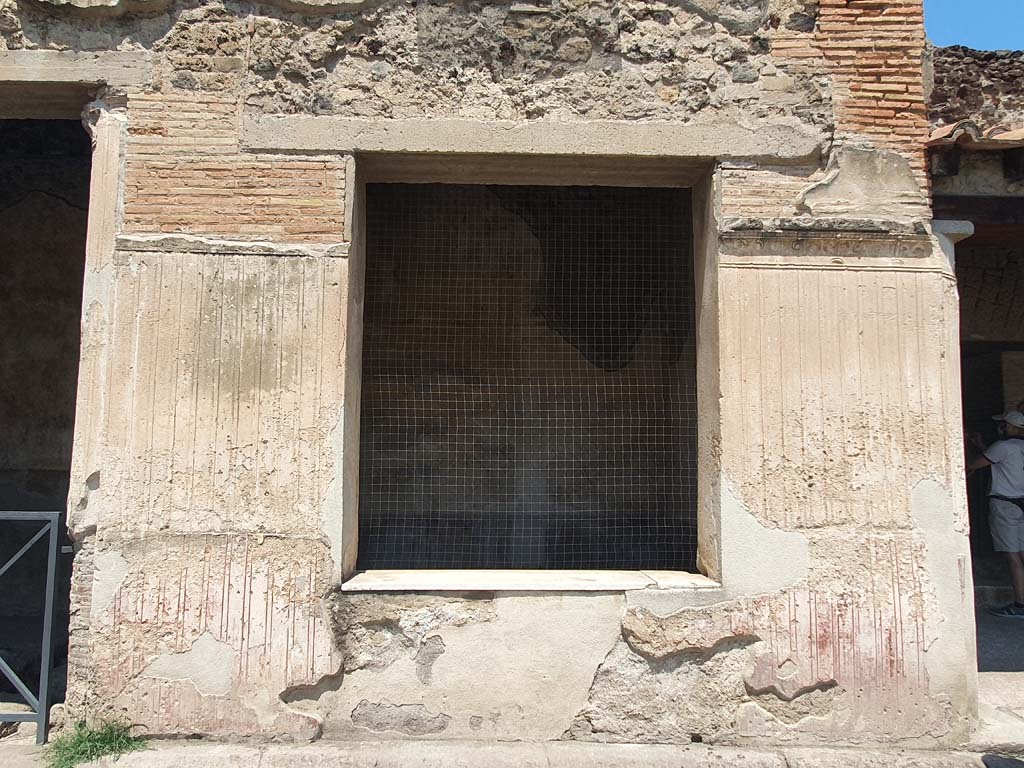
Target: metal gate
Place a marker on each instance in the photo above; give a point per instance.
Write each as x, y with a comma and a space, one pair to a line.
38, 700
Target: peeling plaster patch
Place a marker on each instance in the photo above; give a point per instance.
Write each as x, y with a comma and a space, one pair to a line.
784, 681
633, 700
952, 669
427, 654
756, 559
182, 243
111, 568
816, 702
544, 650
872, 182
98, 290
208, 665
92, 484
410, 719
693, 632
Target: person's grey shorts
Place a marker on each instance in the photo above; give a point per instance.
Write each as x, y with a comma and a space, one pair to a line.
1006, 521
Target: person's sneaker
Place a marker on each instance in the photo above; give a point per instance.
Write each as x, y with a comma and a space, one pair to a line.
1011, 611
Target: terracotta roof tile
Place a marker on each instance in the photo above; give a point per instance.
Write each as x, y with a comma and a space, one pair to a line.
970, 135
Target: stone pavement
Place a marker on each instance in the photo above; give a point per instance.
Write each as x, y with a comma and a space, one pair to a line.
20, 754
999, 736
1000, 713
456, 754
999, 640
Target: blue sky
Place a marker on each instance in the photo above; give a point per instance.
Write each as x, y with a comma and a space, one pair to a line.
988, 25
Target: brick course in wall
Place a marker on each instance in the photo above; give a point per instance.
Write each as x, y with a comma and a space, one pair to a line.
874, 52
186, 173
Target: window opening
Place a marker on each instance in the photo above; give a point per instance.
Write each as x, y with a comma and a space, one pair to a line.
529, 379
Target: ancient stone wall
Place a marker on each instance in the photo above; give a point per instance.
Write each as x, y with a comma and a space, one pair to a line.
214, 431
983, 86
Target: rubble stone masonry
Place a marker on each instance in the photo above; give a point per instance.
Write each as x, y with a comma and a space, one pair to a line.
217, 428
983, 86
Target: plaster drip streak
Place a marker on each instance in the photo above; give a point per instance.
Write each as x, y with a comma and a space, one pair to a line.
812, 636
153, 337
205, 609
857, 325
878, 670
298, 488
775, 365
854, 362
949, 386
897, 599
928, 404
761, 382
897, 345
869, 292
835, 323
277, 426
179, 320
219, 448
179, 607
310, 633
268, 623
242, 659
793, 438
225, 595
318, 367
261, 303
824, 328
889, 351
201, 360
811, 424
132, 446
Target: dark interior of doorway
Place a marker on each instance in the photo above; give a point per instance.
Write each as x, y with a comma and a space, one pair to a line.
528, 379
44, 195
990, 281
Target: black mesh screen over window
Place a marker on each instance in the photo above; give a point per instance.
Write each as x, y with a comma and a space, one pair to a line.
529, 379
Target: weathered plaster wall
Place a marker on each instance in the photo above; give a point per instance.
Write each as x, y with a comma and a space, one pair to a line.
207, 487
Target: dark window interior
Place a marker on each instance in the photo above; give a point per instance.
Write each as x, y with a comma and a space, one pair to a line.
529, 379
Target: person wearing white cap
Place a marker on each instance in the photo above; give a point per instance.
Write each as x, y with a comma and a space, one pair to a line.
1006, 504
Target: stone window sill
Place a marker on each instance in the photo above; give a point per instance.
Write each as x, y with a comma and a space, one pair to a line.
523, 581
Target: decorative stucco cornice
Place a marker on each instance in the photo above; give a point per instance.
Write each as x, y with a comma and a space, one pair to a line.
827, 245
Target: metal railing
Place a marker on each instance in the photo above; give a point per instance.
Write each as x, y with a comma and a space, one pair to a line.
38, 701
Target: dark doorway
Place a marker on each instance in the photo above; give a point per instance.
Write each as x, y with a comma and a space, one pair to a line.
44, 195
990, 281
529, 378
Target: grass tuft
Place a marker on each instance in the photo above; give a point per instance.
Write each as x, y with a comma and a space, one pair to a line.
83, 744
